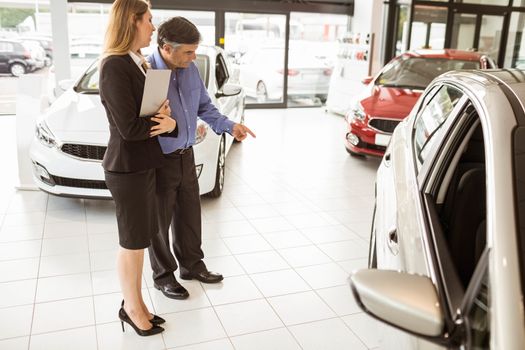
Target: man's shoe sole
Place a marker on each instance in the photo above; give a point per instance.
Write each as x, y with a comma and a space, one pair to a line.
182, 297
189, 278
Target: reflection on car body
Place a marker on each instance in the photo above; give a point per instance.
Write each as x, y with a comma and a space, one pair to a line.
71, 137
448, 232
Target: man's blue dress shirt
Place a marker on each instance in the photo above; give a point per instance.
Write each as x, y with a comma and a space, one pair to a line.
189, 99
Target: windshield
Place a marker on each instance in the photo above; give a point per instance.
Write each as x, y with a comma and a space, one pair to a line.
88, 84
417, 72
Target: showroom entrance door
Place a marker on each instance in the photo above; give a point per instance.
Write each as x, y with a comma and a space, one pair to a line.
479, 32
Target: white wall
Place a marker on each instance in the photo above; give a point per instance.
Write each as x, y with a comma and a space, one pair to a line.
368, 18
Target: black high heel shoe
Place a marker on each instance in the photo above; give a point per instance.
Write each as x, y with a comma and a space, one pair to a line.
142, 332
156, 320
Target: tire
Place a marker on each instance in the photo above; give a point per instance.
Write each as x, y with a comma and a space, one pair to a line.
17, 69
219, 173
261, 92
372, 250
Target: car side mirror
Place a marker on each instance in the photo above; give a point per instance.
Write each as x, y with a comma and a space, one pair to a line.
406, 301
229, 90
367, 80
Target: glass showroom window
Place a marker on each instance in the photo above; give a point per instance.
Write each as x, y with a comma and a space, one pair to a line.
255, 44
311, 56
515, 52
428, 27
24, 42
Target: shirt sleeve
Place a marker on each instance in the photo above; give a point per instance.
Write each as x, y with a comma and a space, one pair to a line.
210, 114
116, 94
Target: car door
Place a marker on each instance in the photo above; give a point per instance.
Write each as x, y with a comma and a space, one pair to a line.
454, 196
4, 56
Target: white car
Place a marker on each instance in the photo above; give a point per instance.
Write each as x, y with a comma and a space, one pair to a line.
71, 137
447, 252
261, 74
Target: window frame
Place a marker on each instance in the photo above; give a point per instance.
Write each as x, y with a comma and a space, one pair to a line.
457, 301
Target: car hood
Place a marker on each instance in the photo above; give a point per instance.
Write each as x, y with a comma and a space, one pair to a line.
389, 102
78, 118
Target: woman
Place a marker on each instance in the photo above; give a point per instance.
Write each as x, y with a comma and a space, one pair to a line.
133, 152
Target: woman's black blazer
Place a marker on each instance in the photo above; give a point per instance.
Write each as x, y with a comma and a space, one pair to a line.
130, 148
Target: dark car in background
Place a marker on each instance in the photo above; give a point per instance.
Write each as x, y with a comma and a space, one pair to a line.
15, 58
392, 93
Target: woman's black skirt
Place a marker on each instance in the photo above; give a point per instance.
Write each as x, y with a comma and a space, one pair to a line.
134, 195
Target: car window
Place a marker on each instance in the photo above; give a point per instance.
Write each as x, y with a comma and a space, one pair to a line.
478, 316
6, 47
202, 62
431, 118
418, 72
221, 72
89, 81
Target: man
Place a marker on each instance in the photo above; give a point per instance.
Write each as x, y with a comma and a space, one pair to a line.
177, 184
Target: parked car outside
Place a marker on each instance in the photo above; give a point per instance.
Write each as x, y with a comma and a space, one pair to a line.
447, 242
393, 92
85, 47
45, 41
261, 74
15, 58
71, 137
37, 53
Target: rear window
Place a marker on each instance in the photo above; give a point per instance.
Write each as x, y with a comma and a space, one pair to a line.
418, 72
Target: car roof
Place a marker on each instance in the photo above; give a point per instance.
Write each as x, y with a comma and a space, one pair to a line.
446, 53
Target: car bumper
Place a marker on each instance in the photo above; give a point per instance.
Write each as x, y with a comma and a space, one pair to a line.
60, 174
362, 139
64, 175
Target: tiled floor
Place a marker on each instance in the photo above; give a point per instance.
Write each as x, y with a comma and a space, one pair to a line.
291, 224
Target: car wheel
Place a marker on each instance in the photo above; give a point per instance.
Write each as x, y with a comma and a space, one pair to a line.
17, 69
372, 252
219, 174
353, 154
262, 92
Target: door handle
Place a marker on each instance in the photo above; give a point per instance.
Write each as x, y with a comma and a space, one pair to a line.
392, 241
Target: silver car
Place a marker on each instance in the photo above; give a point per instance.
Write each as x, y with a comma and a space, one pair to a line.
447, 250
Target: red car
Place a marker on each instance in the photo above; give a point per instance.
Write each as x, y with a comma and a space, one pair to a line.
391, 94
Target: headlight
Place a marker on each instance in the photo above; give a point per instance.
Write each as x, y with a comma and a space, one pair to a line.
356, 112
44, 135
201, 132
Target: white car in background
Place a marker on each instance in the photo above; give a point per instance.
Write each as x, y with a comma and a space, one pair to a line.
261, 74
71, 137
447, 249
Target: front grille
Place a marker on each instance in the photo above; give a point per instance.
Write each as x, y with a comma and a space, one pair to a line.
371, 146
79, 183
384, 125
84, 151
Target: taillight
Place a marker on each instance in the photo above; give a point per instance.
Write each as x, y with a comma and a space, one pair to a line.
291, 72
327, 71
27, 54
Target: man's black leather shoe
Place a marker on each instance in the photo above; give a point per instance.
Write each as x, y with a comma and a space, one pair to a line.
173, 290
204, 276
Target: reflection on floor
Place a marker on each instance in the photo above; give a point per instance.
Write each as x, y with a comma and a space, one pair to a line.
291, 224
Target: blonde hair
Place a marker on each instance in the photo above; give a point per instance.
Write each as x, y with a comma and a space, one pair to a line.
121, 30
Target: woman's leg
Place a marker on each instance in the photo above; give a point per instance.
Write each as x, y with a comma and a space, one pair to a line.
139, 290
129, 265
